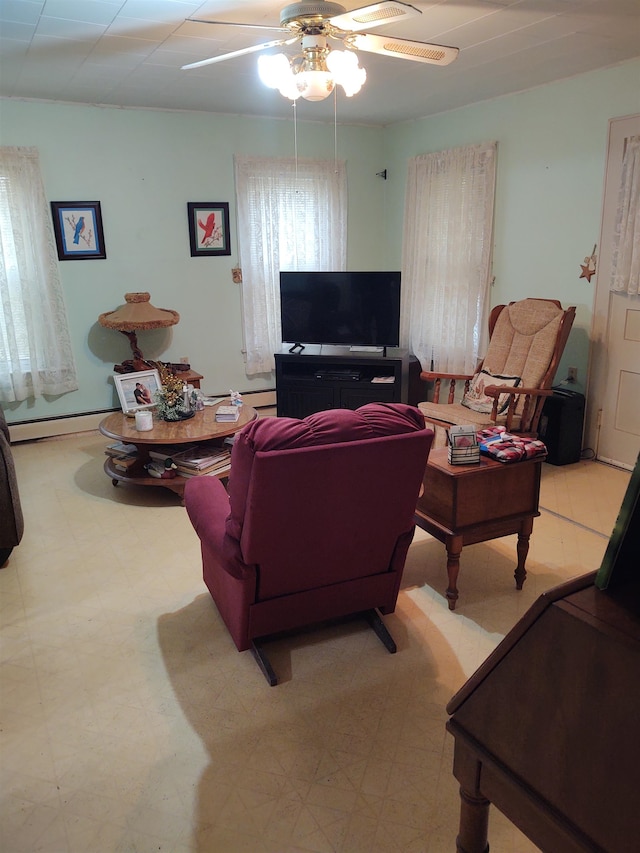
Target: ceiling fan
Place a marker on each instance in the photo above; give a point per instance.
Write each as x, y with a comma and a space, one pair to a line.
314, 73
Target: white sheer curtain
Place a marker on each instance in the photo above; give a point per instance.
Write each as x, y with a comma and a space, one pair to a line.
446, 256
35, 348
291, 216
625, 261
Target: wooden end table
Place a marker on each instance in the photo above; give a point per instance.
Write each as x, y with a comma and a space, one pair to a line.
465, 504
191, 377
201, 427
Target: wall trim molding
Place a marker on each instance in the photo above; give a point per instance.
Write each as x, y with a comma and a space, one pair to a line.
89, 421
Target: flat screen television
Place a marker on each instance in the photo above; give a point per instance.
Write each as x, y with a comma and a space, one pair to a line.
355, 309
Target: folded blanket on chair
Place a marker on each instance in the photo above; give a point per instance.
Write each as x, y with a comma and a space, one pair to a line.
501, 445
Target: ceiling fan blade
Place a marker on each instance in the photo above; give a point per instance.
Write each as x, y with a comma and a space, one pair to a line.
238, 24
232, 55
388, 12
419, 51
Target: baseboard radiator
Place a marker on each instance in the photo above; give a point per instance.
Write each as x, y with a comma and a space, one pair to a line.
89, 421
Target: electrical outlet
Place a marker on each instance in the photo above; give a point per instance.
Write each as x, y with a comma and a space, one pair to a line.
572, 374
184, 359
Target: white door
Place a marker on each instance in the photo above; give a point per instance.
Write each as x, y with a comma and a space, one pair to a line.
613, 409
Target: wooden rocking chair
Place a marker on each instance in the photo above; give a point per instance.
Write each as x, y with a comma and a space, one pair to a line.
526, 342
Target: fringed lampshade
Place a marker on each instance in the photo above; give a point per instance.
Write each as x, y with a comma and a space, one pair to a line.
137, 314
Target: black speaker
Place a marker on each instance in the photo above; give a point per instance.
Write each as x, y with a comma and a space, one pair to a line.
560, 427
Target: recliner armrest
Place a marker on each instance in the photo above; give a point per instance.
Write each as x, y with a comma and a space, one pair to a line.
207, 504
11, 517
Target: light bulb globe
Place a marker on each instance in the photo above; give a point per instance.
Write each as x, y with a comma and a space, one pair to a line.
315, 85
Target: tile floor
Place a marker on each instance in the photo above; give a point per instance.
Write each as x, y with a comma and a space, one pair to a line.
129, 722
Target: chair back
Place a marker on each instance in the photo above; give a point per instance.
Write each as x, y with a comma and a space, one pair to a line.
527, 340
325, 500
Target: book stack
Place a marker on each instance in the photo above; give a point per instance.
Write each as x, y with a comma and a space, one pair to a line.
202, 459
228, 414
160, 453
123, 455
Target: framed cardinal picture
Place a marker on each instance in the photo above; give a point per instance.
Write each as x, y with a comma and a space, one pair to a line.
209, 228
77, 226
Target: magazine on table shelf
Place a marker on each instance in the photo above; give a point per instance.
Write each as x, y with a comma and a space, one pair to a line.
222, 462
160, 453
200, 456
121, 448
123, 463
216, 471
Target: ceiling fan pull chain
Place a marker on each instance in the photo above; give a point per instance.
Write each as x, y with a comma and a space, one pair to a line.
335, 130
295, 137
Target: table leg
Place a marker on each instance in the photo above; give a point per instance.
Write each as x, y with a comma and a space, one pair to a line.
454, 549
522, 548
474, 824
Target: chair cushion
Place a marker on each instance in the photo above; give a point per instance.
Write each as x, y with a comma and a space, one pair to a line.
523, 340
456, 414
478, 401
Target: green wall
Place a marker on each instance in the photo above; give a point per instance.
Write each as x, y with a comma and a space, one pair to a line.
145, 165
552, 144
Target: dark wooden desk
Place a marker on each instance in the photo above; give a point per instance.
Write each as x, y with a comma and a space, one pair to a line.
548, 728
464, 504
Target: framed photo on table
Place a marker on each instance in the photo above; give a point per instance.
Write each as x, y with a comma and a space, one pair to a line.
136, 391
209, 232
77, 226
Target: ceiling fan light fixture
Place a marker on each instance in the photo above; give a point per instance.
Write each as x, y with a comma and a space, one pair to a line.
314, 84
314, 75
347, 72
307, 77
314, 80
275, 72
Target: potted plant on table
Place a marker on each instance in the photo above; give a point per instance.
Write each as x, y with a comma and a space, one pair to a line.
170, 399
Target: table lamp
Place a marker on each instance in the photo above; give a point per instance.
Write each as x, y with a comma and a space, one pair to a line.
137, 314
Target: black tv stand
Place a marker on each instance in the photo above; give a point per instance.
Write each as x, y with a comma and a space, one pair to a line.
296, 347
336, 378
375, 350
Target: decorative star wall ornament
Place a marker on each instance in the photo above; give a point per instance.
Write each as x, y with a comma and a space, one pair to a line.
589, 266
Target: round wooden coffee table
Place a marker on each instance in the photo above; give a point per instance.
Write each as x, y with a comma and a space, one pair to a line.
201, 427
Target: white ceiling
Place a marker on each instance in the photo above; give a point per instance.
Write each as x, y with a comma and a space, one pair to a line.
129, 53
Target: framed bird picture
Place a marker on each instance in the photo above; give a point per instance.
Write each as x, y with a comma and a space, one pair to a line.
209, 228
77, 226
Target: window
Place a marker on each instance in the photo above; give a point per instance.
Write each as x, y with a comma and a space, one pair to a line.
446, 256
35, 347
625, 261
291, 216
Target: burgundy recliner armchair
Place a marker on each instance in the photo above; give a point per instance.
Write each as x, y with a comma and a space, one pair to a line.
317, 521
11, 519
